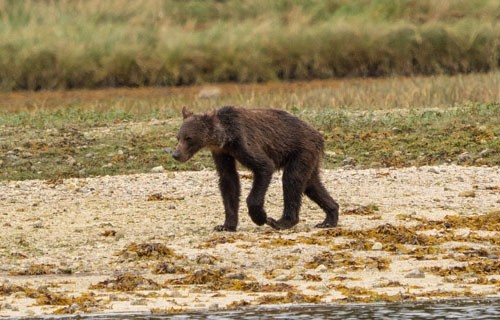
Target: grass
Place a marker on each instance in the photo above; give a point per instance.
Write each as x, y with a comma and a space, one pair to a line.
384, 122
74, 44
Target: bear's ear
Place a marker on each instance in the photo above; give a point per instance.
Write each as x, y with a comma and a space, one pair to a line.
185, 113
212, 113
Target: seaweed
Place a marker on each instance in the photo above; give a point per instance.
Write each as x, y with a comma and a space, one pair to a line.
362, 210
37, 269
148, 250
290, 297
214, 241
127, 282
348, 261
487, 267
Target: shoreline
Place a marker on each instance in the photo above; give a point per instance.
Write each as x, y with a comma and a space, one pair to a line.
145, 243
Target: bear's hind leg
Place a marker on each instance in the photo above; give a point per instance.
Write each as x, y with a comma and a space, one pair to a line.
317, 193
295, 175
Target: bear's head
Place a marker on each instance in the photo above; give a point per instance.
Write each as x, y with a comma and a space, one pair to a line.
195, 133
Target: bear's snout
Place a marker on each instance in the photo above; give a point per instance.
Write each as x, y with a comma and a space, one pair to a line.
176, 155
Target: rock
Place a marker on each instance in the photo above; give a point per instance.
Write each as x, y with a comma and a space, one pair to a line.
236, 276
298, 277
396, 130
205, 259
209, 92
321, 268
114, 297
463, 157
12, 157
484, 153
349, 161
377, 246
467, 194
158, 169
464, 233
281, 277
416, 274
213, 307
434, 170
330, 153
71, 161
119, 235
139, 302
296, 250
166, 268
5, 268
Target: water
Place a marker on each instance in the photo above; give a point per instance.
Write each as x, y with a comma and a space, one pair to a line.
446, 309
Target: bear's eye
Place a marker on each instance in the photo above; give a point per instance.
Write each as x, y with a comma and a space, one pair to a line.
189, 139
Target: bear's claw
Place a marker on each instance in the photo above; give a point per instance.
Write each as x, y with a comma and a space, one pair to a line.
325, 225
224, 228
281, 223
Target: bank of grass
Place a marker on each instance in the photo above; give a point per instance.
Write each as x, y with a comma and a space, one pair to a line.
73, 44
56, 135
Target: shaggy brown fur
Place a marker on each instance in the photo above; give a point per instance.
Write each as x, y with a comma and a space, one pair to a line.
263, 140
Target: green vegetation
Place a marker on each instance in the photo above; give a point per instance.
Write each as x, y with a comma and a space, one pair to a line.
73, 44
379, 123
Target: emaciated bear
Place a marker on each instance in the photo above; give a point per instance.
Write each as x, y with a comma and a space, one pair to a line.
263, 140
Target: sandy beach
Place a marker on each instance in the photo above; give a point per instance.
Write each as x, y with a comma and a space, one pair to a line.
145, 243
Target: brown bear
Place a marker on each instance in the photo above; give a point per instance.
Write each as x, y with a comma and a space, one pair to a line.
263, 140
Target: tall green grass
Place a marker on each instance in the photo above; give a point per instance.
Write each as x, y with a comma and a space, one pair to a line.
72, 44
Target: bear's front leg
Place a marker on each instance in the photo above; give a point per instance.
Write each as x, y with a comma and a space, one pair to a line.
229, 185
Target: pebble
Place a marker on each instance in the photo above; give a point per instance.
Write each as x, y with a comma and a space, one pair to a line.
213, 307
463, 157
119, 235
416, 274
321, 268
484, 153
349, 161
236, 275
467, 194
434, 170
377, 246
170, 268
158, 169
71, 161
281, 277
139, 302
205, 259
209, 92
